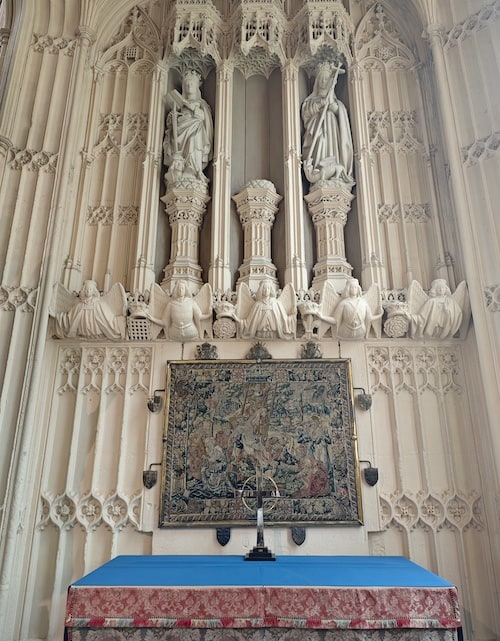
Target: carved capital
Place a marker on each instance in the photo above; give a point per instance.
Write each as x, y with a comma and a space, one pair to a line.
435, 34
327, 202
492, 293
86, 34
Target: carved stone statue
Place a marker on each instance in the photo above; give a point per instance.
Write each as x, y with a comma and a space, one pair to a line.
189, 132
182, 317
440, 314
357, 314
327, 149
268, 316
90, 315
351, 315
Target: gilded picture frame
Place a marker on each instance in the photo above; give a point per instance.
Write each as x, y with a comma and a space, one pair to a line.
288, 424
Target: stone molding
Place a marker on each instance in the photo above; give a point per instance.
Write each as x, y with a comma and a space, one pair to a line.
482, 149
53, 44
112, 138
414, 370
104, 215
90, 511
394, 130
432, 511
33, 160
17, 298
113, 362
474, 23
492, 293
412, 212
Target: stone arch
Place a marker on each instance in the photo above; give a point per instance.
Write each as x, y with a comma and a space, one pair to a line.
381, 31
136, 32
395, 127
107, 17
109, 204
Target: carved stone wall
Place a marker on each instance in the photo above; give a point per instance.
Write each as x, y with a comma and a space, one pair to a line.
82, 120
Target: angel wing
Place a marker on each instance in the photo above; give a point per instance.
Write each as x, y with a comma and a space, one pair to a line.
114, 308
373, 299
461, 298
62, 300
416, 298
204, 300
329, 301
158, 301
115, 301
244, 305
244, 301
288, 300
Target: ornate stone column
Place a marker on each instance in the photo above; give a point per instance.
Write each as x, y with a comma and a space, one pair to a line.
329, 204
185, 206
295, 268
486, 326
373, 270
143, 271
4, 40
219, 273
257, 206
19, 509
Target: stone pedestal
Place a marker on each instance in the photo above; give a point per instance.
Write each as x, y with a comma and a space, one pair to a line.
185, 207
329, 204
257, 206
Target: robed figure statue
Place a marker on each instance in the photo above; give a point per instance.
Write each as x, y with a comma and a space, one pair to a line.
327, 149
189, 132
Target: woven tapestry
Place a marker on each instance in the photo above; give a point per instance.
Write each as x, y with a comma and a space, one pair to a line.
284, 428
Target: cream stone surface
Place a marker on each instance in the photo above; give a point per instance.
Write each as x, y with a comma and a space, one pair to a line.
93, 231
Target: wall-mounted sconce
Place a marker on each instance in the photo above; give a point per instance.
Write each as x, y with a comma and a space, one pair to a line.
370, 474
150, 477
154, 402
364, 400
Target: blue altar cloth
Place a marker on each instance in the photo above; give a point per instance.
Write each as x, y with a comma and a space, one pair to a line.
194, 570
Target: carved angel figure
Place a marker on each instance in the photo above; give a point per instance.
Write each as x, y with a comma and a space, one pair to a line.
182, 317
90, 315
358, 314
351, 315
440, 314
268, 316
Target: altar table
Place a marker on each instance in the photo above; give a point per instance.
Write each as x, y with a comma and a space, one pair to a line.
295, 598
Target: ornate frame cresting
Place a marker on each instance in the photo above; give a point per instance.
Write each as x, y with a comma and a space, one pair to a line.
289, 421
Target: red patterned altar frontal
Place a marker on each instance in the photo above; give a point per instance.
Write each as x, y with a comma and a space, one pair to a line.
221, 598
262, 607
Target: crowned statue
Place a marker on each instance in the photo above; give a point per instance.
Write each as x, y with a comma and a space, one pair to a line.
189, 133
327, 148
